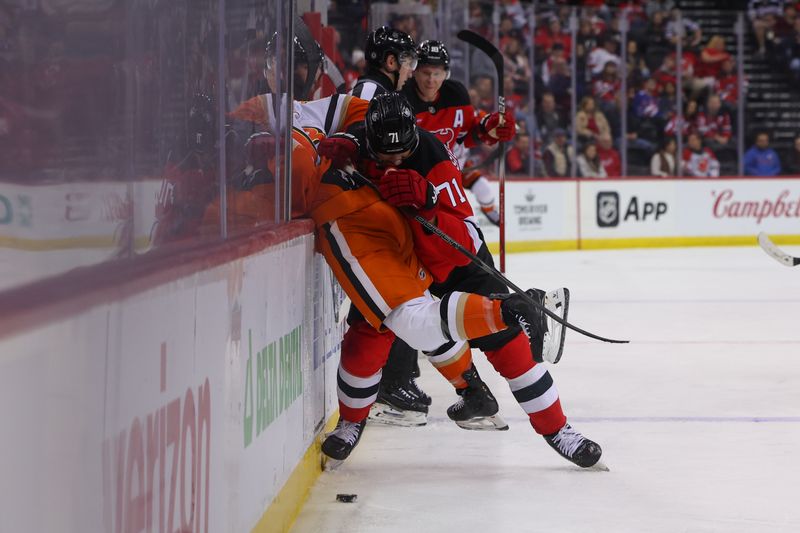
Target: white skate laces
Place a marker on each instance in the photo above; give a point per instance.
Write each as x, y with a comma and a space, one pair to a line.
347, 431
567, 440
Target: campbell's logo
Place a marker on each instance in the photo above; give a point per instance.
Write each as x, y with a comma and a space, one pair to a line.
156, 472
727, 206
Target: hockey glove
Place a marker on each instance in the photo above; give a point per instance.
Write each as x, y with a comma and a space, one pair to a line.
259, 151
339, 148
407, 188
495, 127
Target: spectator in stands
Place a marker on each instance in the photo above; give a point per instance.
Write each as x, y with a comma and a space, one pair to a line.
606, 89
656, 45
698, 161
560, 82
586, 41
714, 124
692, 34
549, 118
763, 15
590, 123
792, 159
407, 23
484, 90
711, 59
609, 157
668, 100
637, 67
645, 104
518, 157
785, 24
761, 160
605, 53
589, 164
637, 16
558, 156
727, 85
516, 63
689, 124
662, 163
551, 34
556, 55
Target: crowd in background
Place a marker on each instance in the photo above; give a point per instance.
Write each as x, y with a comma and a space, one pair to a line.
709, 81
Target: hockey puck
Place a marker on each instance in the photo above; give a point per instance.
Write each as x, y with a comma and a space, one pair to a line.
346, 498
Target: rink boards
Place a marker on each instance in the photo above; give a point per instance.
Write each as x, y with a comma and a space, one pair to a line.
188, 399
642, 212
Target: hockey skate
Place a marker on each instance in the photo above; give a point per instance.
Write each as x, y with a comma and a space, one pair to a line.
576, 448
340, 442
545, 334
477, 408
399, 405
414, 389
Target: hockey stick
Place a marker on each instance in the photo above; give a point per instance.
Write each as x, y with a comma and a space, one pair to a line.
479, 42
775, 252
500, 277
484, 266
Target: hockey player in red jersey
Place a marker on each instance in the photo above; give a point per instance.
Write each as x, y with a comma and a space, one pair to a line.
408, 164
443, 106
391, 60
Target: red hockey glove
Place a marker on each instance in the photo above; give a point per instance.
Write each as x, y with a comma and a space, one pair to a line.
496, 127
339, 148
407, 188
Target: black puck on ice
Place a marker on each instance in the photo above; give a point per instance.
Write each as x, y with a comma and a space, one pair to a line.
346, 498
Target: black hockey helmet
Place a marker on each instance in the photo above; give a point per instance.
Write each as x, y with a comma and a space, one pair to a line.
390, 125
307, 52
200, 123
432, 52
384, 41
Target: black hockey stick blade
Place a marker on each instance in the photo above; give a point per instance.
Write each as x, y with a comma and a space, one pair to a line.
482, 44
776, 253
500, 277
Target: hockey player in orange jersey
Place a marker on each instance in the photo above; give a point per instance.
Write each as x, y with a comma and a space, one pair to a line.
369, 246
411, 165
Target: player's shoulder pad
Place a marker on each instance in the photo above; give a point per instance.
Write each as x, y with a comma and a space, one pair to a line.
454, 93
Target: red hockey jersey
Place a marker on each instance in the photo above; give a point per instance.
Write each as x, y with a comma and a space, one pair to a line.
450, 117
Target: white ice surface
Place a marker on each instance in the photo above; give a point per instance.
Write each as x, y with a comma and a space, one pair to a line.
698, 417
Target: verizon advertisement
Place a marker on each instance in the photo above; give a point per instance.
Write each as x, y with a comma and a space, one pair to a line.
184, 407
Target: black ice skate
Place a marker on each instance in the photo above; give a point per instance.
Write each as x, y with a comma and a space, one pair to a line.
574, 447
340, 442
477, 408
399, 405
546, 335
414, 389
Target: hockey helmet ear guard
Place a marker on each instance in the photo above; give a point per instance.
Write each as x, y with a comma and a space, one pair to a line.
391, 126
